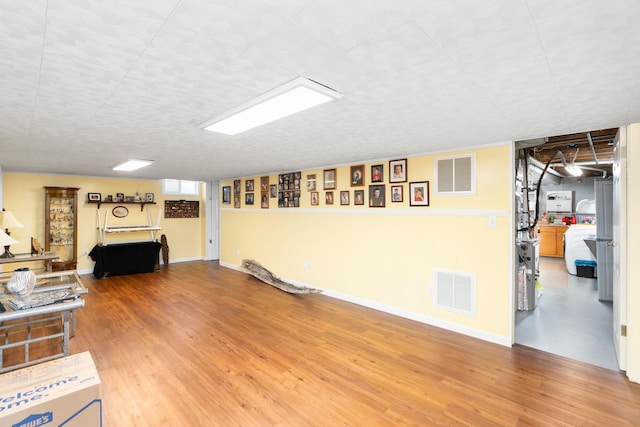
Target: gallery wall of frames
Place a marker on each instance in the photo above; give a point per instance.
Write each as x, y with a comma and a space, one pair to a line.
377, 185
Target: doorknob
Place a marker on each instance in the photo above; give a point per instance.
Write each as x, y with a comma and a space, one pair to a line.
611, 243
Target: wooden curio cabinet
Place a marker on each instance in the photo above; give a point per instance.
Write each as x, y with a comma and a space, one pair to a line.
61, 226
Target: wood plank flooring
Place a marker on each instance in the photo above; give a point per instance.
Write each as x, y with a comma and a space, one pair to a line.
201, 345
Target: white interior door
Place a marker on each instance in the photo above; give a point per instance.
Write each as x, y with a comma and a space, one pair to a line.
619, 246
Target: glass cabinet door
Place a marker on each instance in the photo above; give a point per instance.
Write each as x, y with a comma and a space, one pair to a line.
61, 226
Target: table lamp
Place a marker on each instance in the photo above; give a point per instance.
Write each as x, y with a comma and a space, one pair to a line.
7, 221
6, 241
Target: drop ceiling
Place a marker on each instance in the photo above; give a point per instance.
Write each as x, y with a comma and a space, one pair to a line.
87, 84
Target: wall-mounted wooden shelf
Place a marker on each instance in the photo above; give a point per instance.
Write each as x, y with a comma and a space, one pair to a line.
141, 203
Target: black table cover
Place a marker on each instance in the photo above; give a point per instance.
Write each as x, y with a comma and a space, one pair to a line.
125, 258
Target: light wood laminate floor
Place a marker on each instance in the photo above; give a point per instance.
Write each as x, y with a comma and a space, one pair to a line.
201, 345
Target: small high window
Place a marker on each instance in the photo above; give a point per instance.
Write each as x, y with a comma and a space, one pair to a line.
180, 187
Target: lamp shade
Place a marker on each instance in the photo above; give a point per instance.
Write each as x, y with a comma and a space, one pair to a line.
7, 220
6, 240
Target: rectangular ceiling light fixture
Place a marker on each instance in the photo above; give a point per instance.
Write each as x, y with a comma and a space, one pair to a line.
297, 95
131, 165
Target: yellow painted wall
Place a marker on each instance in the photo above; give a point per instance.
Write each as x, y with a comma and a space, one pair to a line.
24, 196
388, 255
633, 252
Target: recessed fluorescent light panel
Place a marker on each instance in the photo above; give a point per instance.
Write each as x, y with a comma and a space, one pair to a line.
295, 96
131, 165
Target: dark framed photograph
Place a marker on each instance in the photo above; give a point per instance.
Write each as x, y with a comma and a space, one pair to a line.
119, 197
398, 170
419, 193
264, 183
311, 182
314, 198
273, 191
396, 193
264, 200
358, 197
329, 179
94, 197
226, 195
248, 185
108, 198
344, 198
328, 197
248, 199
236, 186
376, 196
148, 197
357, 176
236, 201
377, 173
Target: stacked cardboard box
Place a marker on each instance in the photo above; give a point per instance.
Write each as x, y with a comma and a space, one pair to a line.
64, 391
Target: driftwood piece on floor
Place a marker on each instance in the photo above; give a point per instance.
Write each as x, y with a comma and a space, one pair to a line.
255, 269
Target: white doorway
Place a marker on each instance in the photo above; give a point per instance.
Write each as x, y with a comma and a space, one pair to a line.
569, 319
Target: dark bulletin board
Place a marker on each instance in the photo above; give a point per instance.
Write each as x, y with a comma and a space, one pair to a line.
181, 209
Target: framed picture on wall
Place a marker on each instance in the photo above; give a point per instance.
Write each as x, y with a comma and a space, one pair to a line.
273, 191
398, 170
358, 197
248, 199
314, 198
396, 193
419, 193
329, 179
94, 197
377, 173
376, 196
226, 195
248, 185
264, 183
357, 176
311, 182
328, 197
236, 186
344, 198
264, 200
148, 197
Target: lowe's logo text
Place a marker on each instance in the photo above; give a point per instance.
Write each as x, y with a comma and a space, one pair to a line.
35, 420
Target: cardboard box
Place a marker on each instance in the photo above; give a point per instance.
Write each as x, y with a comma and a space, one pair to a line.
64, 391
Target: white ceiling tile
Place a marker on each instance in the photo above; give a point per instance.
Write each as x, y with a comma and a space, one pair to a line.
139, 76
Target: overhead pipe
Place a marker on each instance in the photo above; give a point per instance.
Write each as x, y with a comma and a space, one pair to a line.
593, 150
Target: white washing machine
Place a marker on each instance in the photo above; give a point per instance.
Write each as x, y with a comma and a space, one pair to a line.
574, 246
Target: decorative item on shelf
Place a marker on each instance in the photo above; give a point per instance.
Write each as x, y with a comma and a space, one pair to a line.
94, 197
7, 221
36, 247
22, 282
120, 211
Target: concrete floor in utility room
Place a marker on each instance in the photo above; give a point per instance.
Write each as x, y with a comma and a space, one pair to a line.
569, 320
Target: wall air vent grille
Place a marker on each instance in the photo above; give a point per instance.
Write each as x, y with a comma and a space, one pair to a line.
455, 291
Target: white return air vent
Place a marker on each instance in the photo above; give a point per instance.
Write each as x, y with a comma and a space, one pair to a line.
455, 291
456, 175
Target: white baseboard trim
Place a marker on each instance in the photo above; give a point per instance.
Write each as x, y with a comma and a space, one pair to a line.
177, 260
439, 323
